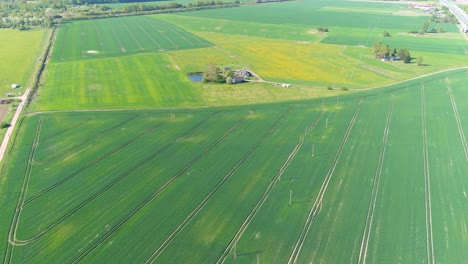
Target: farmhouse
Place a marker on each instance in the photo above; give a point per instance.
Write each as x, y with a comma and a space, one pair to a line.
14, 86
237, 79
286, 85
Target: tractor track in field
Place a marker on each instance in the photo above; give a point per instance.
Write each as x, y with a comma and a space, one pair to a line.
375, 188
149, 36
122, 48
177, 32
45, 139
161, 32
94, 162
22, 196
427, 183
267, 191
133, 36
98, 33
207, 198
151, 198
66, 151
457, 118
111, 184
317, 206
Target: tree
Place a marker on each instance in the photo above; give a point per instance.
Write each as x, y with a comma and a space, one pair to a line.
404, 54
386, 34
424, 27
213, 74
419, 61
4, 125
380, 50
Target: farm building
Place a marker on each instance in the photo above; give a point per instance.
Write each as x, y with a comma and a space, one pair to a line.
14, 86
237, 79
286, 85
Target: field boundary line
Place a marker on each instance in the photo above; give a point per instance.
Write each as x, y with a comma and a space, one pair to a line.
375, 188
94, 162
427, 183
457, 118
317, 206
407, 80
24, 189
207, 198
268, 190
133, 36
148, 200
111, 184
68, 150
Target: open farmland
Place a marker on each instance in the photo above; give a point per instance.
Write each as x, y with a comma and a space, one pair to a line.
93, 39
142, 62
377, 176
19, 51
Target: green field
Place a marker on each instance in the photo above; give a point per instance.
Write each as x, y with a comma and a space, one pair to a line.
19, 51
142, 61
93, 39
365, 177
121, 159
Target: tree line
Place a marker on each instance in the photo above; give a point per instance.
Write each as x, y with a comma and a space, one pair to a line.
46, 13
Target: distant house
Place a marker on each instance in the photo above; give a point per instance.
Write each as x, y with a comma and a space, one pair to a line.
286, 85
237, 79
395, 58
14, 86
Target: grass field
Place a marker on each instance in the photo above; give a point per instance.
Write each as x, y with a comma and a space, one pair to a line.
142, 62
93, 39
121, 159
376, 176
138, 81
19, 51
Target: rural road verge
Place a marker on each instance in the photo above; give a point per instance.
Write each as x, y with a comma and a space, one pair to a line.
10, 129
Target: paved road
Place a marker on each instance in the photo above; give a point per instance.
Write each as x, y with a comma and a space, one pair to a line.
10, 129
459, 13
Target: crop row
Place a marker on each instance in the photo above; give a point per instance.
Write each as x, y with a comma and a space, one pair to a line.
123, 36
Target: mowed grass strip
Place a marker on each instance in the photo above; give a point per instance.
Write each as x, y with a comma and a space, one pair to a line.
120, 36
138, 81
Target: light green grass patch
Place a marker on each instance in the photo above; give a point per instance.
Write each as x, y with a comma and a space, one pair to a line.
245, 28
139, 81
19, 52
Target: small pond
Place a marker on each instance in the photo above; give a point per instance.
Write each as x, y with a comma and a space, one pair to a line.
195, 76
